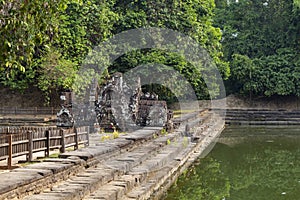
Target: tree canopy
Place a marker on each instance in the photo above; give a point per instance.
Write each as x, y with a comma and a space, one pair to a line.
261, 42
45, 42
193, 18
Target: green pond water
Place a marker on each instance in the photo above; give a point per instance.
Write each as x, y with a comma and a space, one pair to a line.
247, 163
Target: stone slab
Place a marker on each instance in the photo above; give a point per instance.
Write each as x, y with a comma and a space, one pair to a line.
42, 172
15, 179
68, 160
142, 134
54, 167
91, 152
50, 196
81, 154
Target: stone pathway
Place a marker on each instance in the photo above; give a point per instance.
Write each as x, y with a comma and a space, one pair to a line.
16, 160
133, 166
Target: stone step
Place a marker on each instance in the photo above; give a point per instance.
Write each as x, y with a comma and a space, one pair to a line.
261, 110
36, 177
175, 150
126, 186
261, 118
117, 166
105, 172
77, 187
114, 146
164, 176
279, 122
263, 114
188, 117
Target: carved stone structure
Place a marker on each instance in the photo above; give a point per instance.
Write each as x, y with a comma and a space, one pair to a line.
118, 106
64, 116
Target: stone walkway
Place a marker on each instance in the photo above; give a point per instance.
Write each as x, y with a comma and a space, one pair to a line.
132, 166
17, 161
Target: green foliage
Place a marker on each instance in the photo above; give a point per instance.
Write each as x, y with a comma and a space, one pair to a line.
297, 4
27, 27
255, 29
261, 40
192, 18
165, 60
185, 142
49, 38
84, 26
278, 74
243, 72
45, 42
54, 72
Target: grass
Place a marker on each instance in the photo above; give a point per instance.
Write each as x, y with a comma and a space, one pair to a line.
168, 141
178, 113
27, 163
185, 142
110, 136
163, 131
54, 155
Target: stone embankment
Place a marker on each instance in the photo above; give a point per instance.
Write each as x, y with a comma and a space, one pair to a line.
262, 117
137, 165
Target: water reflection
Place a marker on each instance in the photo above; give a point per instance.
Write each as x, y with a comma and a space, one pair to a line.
256, 163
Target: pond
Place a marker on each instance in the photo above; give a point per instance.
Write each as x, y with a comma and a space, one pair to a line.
247, 163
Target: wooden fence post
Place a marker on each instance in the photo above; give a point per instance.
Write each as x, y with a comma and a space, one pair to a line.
47, 143
76, 138
9, 161
63, 145
30, 146
88, 136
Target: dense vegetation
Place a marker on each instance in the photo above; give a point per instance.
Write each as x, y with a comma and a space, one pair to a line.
261, 42
44, 42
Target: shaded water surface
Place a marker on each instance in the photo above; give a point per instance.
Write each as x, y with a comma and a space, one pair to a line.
248, 163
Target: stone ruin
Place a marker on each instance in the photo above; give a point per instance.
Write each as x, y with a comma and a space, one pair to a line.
64, 116
118, 106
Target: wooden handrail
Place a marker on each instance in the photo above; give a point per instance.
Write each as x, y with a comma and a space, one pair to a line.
36, 140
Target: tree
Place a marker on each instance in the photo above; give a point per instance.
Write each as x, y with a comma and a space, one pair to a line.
54, 73
45, 41
264, 35
193, 18
34, 31
27, 28
83, 26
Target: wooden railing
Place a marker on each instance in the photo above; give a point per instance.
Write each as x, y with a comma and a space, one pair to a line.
28, 140
28, 111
